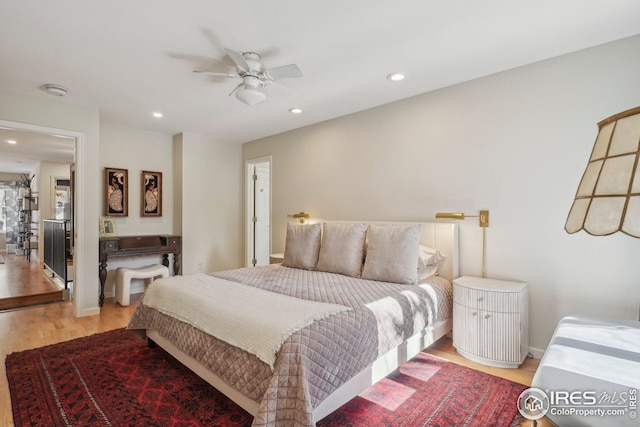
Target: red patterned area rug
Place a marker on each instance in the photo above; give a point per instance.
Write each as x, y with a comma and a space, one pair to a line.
114, 379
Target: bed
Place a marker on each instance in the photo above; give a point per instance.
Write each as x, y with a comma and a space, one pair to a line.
365, 327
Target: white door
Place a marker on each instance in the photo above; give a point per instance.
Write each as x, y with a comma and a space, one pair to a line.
258, 211
261, 213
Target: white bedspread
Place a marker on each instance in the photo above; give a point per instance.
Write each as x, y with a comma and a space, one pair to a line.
252, 319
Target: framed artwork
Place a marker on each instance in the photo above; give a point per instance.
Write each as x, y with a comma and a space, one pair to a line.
107, 227
116, 192
151, 202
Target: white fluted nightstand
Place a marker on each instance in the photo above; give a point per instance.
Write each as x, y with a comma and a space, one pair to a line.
491, 321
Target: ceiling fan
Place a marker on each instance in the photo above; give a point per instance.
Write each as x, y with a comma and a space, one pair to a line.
254, 75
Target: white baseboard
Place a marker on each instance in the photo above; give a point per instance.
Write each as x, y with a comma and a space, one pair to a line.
536, 352
90, 312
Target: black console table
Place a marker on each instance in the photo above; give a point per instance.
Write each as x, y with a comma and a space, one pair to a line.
130, 246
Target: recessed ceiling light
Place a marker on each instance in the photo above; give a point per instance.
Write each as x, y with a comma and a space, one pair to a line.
396, 77
295, 110
11, 141
157, 114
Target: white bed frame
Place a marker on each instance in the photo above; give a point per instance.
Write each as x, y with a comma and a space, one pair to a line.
442, 236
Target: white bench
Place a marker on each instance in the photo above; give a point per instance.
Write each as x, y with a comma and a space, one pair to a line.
125, 274
598, 355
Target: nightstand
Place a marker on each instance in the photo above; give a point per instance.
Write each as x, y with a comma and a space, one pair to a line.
276, 258
491, 321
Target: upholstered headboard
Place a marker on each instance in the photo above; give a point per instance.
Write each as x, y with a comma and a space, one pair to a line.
438, 235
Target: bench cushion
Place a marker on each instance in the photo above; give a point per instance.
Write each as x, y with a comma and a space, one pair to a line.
596, 354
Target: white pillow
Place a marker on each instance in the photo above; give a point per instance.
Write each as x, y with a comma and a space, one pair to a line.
427, 272
342, 249
302, 246
429, 261
392, 253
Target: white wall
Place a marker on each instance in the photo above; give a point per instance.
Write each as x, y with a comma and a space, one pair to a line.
177, 183
137, 150
82, 122
6, 176
515, 143
209, 182
211, 192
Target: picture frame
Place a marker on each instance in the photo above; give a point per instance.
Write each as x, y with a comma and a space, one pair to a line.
107, 227
151, 194
116, 192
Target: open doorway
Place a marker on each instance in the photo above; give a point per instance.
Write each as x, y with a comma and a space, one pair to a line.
258, 217
39, 154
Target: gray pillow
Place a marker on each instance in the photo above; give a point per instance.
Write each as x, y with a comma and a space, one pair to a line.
392, 253
302, 246
342, 249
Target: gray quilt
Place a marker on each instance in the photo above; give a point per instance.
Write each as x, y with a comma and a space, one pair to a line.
316, 360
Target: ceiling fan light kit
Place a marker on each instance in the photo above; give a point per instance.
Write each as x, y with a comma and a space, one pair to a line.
250, 95
254, 76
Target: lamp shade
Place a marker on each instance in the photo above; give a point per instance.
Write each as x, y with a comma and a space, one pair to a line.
250, 95
608, 198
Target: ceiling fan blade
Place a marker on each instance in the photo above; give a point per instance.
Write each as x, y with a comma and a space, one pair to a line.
284, 72
279, 88
215, 73
236, 88
238, 58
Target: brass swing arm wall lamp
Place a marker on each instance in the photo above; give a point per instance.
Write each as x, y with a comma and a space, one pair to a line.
483, 222
483, 217
300, 217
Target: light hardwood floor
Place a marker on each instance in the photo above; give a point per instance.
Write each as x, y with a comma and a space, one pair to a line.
34, 327
24, 283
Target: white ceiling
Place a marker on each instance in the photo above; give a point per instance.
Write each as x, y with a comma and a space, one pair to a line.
31, 148
131, 58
